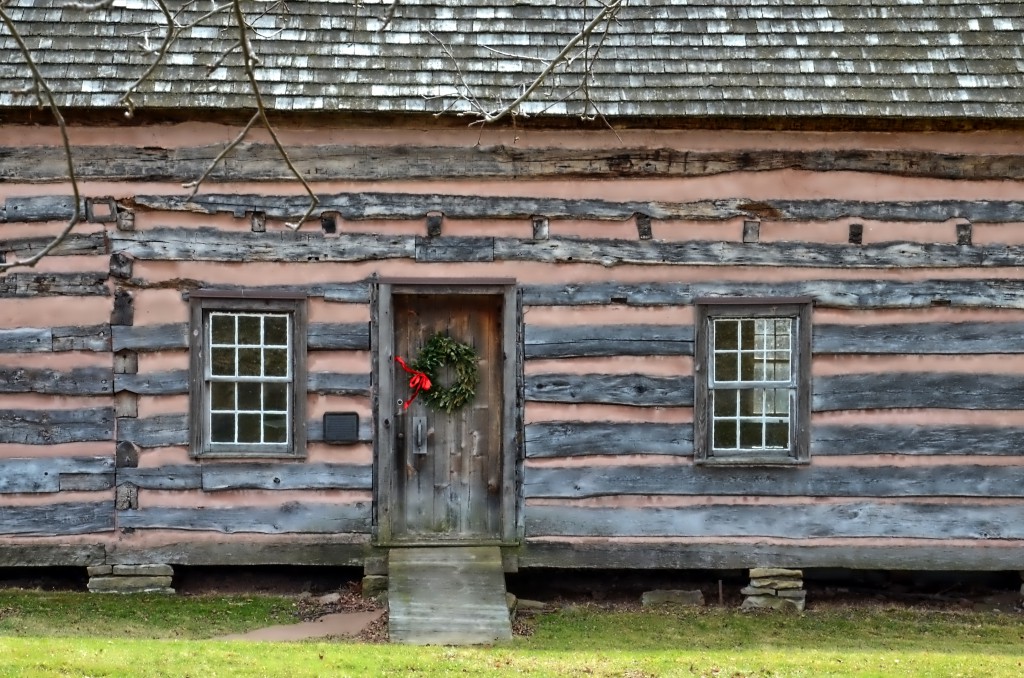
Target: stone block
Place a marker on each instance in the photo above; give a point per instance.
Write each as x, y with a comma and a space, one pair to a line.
374, 585
772, 603
524, 604
130, 585
672, 597
375, 565
777, 583
793, 594
99, 570
511, 601
143, 570
762, 572
755, 591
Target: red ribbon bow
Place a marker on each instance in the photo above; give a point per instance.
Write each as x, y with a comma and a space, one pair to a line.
418, 381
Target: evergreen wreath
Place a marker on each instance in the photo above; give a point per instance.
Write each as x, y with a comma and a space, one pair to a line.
438, 352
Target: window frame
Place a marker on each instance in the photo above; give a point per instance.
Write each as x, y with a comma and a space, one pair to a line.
202, 304
706, 311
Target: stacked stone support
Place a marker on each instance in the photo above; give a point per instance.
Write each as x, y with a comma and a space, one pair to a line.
375, 577
775, 588
131, 579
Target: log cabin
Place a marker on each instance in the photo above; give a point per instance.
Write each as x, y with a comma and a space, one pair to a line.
740, 285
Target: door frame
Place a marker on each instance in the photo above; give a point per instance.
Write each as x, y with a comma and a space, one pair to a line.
382, 334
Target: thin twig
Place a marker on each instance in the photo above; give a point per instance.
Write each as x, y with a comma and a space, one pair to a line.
41, 85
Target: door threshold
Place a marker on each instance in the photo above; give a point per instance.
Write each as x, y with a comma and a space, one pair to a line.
425, 543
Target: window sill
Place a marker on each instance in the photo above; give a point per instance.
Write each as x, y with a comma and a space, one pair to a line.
244, 454
751, 460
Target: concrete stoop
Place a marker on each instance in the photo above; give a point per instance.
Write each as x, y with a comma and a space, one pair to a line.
131, 578
447, 596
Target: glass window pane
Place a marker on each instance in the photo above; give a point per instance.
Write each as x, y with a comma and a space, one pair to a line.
724, 434
223, 362
747, 334
249, 429
249, 329
726, 333
222, 428
249, 362
249, 396
276, 362
222, 395
275, 396
725, 402
275, 428
222, 328
750, 434
275, 330
777, 434
725, 367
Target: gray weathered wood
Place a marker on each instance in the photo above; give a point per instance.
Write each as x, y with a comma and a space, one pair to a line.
43, 474
172, 429
86, 482
608, 340
913, 338
21, 284
952, 390
858, 294
208, 244
84, 338
717, 556
938, 440
26, 340
956, 480
292, 517
53, 427
261, 162
313, 476
163, 337
73, 244
578, 439
51, 555
355, 206
333, 383
616, 389
169, 477
801, 521
321, 550
41, 208
58, 519
338, 336
80, 381
172, 382
455, 249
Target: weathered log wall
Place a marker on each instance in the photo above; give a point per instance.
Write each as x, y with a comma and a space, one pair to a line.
917, 351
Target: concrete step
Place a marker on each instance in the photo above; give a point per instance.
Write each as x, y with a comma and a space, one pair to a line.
447, 596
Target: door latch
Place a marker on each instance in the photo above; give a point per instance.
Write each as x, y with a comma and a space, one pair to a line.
419, 435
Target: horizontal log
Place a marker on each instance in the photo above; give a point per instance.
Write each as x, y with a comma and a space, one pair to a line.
959, 480
83, 381
35, 474
916, 440
169, 477
316, 476
856, 294
320, 551
26, 340
172, 336
207, 244
83, 338
578, 439
714, 556
172, 430
917, 338
58, 519
86, 482
175, 382
262, 162
292, 517
613, 389
608, 340
357, 206
73, 244
22, 285
54, 427
41, 208
51, 555
802, 521
144, 338
951, 390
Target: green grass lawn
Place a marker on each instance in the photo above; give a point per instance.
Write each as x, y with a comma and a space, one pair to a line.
71, 634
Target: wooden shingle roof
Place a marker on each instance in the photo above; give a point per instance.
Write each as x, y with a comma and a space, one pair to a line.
692, 58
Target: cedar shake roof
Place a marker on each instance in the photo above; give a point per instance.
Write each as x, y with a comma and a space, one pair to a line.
760, 58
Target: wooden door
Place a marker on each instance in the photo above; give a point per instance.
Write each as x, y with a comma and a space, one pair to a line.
448, 475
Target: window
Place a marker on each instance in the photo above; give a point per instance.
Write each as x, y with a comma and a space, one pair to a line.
248, 375
752, 381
